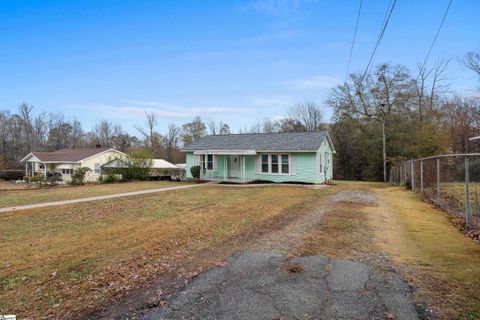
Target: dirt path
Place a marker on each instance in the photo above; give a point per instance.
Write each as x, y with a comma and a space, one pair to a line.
289, 238
89, 199
356, 288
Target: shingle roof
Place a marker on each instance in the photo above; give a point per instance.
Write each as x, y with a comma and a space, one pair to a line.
68, 155
305, 141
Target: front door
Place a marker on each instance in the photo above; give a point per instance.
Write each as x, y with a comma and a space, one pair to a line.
233, 166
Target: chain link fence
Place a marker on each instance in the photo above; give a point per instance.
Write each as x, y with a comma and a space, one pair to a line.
451, 181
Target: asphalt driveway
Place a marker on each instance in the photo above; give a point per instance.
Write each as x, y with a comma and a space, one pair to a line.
259, 285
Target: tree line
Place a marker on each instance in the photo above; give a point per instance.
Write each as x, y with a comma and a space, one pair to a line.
392, 115
25, 131
379, 119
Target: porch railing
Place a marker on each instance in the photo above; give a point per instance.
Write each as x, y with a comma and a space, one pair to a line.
228, 176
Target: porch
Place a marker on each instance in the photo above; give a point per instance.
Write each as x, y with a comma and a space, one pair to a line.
234, 168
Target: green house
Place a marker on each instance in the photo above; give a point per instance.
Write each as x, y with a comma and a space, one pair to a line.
276, 157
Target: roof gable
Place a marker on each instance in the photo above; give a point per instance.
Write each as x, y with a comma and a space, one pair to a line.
291, 141
66, 155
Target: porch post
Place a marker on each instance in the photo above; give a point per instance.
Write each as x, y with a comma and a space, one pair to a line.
243, 168
225, 167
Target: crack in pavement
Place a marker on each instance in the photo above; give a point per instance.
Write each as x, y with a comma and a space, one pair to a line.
256, 285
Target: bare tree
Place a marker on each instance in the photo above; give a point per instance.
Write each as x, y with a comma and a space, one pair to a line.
191, 131
171, 141
149, 133
308, 114
472, 61
376, 97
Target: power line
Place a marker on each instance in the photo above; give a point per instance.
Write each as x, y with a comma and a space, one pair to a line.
353, 41
438, 32
386, 20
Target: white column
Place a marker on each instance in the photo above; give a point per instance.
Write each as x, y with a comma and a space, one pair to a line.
243, 168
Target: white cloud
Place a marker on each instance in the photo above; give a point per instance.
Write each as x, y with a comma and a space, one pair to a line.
272, 101
136, 109
314, 82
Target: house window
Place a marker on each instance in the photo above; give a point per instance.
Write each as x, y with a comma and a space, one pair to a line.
42, 166
97, 169
285, 163
265, 163
210, 162
274, 158
67, 171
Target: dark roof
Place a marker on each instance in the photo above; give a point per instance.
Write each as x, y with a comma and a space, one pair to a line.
68, 155
260, 141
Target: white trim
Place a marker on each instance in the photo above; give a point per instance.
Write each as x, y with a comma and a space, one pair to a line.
226, 152
104, 151
30, 155
284, 151
279, 173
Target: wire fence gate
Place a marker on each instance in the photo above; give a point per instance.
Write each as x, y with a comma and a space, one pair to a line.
451, 181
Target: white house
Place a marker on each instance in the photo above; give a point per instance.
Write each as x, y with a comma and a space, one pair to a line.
64, 162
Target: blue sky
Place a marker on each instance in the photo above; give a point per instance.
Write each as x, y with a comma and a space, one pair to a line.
236, 61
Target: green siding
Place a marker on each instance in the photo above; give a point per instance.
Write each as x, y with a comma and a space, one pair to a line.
190, 163
307, 167
304, 170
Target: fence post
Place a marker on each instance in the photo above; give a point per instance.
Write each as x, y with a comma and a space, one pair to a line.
412, 164
421, 175
405, 173
438, 182
467, 192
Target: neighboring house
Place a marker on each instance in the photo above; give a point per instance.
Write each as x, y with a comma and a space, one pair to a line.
159, 167
64, 162
277, 157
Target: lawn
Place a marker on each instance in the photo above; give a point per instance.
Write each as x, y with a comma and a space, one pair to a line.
22, 197
68, 260
440, 262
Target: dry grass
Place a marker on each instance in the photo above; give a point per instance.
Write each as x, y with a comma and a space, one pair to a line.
65, 260
442, 263
22, 197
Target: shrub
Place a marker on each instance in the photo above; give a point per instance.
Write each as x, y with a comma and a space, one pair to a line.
195, 171
474, 170
173, 173
139, 164
11, 174
111, 177
78, 177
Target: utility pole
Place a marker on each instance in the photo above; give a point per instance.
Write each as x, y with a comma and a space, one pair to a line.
384, 152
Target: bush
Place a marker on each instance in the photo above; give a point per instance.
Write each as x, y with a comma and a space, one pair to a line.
474, 170
111, 177
11, 174
78, 178
195, 171
139, 164
177, 174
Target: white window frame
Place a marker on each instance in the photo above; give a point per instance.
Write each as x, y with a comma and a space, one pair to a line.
262, 163
67, 172
210, 163
279, 163
204, 162
96, 169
